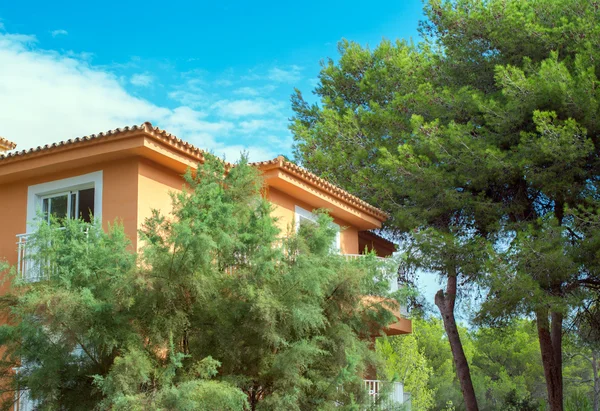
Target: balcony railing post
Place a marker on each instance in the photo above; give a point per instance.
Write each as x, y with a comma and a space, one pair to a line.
25, 265
395, 396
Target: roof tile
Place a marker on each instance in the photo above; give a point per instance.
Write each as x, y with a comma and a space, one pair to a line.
7, 144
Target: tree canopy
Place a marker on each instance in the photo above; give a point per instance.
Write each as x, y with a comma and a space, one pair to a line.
505, 364
482, 143
219, 310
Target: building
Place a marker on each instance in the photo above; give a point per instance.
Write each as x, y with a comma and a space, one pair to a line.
125, 173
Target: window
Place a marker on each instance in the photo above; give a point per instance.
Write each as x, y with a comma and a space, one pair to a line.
75, 197
304, 216
72, 204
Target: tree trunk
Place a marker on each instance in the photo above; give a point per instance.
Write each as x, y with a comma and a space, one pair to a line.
550, 337
445, 302
557, 333
596, 380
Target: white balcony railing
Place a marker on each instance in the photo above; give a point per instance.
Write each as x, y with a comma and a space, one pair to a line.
26, 266
22, 399
387, 394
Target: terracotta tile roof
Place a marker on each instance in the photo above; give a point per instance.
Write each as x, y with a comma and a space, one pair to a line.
168, 138
146, 128
6, 144
323, 184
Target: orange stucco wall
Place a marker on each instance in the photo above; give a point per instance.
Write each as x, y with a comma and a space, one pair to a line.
284, 206
155, 183
13, 216
119, 195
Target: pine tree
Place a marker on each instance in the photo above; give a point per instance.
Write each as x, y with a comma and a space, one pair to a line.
484, 133
220, 310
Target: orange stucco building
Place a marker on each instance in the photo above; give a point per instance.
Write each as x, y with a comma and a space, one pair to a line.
125, 173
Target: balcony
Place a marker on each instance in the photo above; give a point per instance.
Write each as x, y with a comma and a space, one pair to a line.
26, 266
385, 394
394, 285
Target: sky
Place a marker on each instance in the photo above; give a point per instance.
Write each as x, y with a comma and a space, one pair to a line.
216, 74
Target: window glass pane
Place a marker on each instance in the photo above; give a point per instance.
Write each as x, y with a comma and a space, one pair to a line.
73, 210
58, 206
304, 220
86, 204
46, 208
337, 241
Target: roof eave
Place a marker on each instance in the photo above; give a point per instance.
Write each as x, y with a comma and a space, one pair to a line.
322, 184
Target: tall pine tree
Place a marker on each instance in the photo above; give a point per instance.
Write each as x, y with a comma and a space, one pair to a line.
485, 133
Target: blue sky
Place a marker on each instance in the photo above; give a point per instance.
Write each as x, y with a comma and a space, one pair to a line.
217, 74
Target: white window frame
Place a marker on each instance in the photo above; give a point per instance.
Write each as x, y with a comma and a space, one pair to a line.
36, 193
300, 213
63, 193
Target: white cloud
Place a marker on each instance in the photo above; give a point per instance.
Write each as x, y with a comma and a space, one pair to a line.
184, 120
191, 93
80, 55
242, 108
46, 96
224, 83
141, 80
254, 125
16, 41
59, 32
282, 75
255, 91
247, 91
290, 74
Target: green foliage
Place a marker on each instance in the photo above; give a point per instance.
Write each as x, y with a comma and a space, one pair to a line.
508, 367
433, 344
505, 364
486, 131
220, 310
406, 363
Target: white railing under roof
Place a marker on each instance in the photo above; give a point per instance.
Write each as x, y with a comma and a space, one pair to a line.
387, 394
26, 265
393, 284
